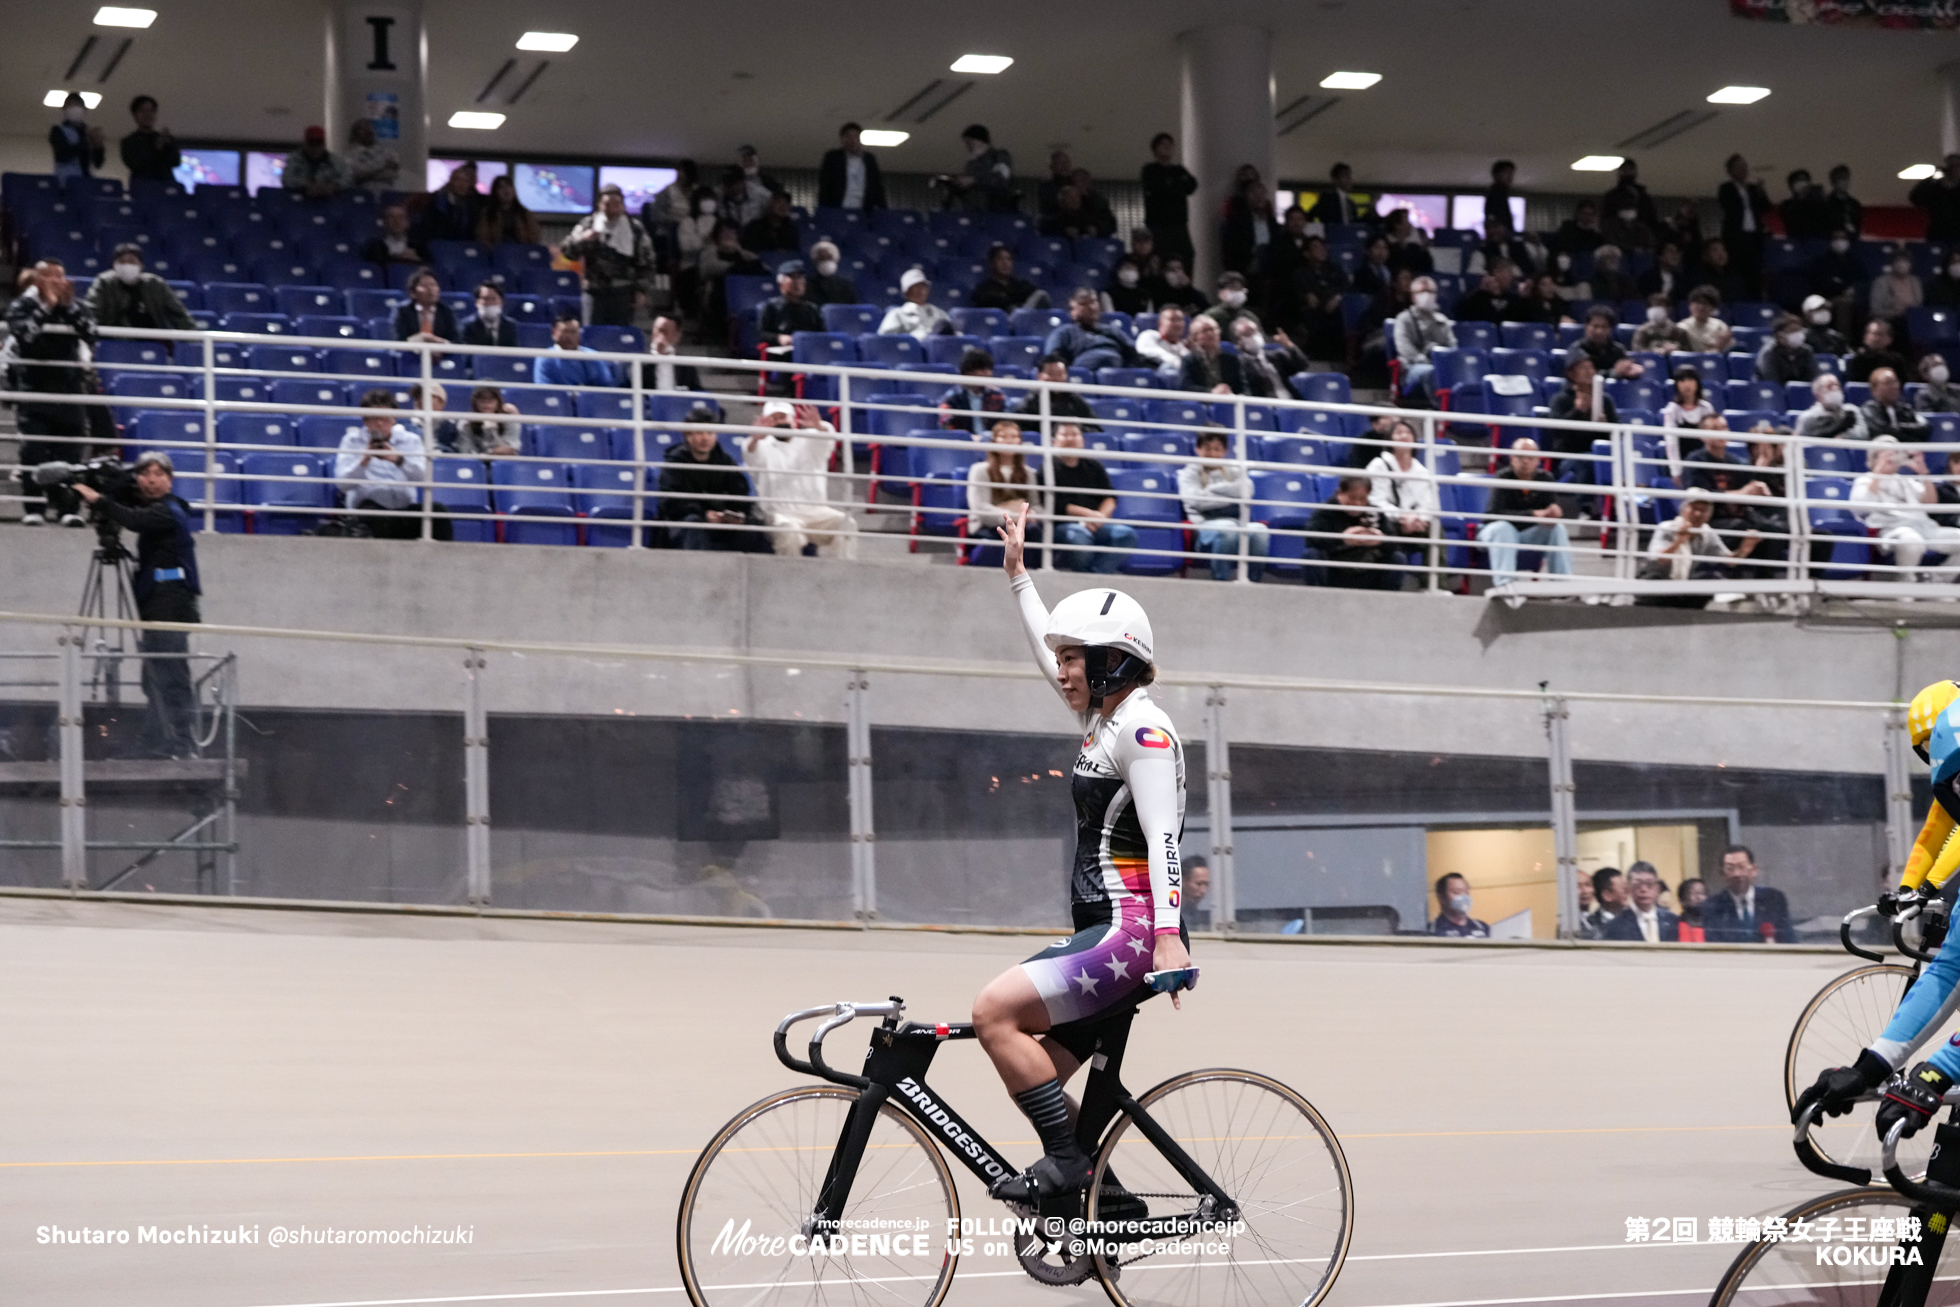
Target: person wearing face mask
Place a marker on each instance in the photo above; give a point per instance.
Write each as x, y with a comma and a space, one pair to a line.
49, 332
1265, 371
986, 183
1938, 395
1175, 287
1836, 273
489, 326
1418, 330
1830, 418
1896, 290
1628, 202
128, 296
1786, 354
750, 187
1125, 291
1658, 334
1580, 233
1622, 224
78, 148
1819, 334
694, 238
828, 285
1805, 216
1453, 917
1232, 303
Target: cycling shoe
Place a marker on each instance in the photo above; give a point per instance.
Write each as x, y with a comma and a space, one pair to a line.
1045, 1179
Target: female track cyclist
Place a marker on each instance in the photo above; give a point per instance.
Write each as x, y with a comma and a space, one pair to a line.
1125, 887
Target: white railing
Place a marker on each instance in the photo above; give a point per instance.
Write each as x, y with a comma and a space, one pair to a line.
1293, 469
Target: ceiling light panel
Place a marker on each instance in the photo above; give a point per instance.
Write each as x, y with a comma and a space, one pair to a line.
879, 136
1349, 81
112, 16
1739, 95
474, 121
1598, 163
982, 63
550, 42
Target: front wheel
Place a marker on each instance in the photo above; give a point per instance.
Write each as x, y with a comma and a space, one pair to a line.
1289, 1214
1838, 1260
746, 1222
1845, 1017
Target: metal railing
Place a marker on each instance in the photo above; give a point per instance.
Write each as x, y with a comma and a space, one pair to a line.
590, 462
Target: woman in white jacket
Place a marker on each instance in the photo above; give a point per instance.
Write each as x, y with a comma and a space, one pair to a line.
1400, 485
998, 485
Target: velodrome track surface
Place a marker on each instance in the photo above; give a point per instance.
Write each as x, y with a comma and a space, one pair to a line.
548, 1084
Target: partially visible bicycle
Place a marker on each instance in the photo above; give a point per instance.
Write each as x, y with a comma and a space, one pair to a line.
1216, 1188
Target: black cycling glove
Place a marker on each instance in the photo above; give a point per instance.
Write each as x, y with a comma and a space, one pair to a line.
1838, 1088
1912, 1097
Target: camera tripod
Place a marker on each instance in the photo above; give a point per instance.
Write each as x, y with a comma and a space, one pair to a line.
111, 567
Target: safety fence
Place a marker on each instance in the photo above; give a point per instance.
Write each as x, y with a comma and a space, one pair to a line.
291, 434
837, 787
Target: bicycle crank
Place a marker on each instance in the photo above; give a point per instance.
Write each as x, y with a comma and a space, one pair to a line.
1044, 1253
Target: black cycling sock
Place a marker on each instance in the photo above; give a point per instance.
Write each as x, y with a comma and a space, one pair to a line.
1048, 1110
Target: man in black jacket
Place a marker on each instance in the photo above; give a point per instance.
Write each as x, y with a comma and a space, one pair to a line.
701, 488
848, 177
1940, 197
1348, 529
166, 590
1208, 368
150, 154
1001, 289
1337, 203
1167, 190
48, 328
425, 316
789, 312
490, 326
1745, 215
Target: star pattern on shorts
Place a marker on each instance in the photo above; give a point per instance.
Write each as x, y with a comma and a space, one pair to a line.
1138, 947
1087, 982
1118, 970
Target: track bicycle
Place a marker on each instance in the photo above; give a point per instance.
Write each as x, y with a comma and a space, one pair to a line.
1215, 1188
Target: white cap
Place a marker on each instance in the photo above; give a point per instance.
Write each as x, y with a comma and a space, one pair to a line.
779, 406
1811, 302
912, 277
1100, 617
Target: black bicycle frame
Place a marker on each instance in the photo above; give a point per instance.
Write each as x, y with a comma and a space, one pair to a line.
895, 1067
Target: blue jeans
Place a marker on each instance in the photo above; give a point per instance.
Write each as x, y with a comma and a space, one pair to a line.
1219, 537
1071, 536
1503, 539
1420, 376
1102, 356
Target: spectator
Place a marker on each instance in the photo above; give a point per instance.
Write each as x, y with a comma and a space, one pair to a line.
1406, 246
563, 366
1786, 354
1843, 209
1362, 450
1769, 515
1453, 917
694, 240
1419, 329
1944, 289
1231, 306
1001, 483
1628, 201
1938, 395
790, 485
1679, 545
1163, 346
1574, 403
774, 230
1214, 492
506, 221
1524, 516
1829, 417
485, 432
1246, 242
1667, 276
1892, 500
47, 331
721, 259
381, 469
490, 326
1312, 292
1085, 341
445, 434
829, 286
1608, 282
454, 207
1338, 203
1061, 403
788, 312
662, 374
1001, 289
1597, 344
1374, 275
1167, 190
1609, 893
1658, 334
986, 183
917, 315
617, 255
1715, 471
1048, 195
1819, 334
1541, 301
1084, 505
1500, 242
1745, 217
1646, 921
665, 213
1349, 531
960, 405
1376, 329
1400, 486
1497, 199
1837, 274
1102, 220
1177, 288
149, 153
1805, 215
1143, 253
1718, 270
1266, 368
425, 317
1687, 406
1207, 367
1940, 197
312, 170
1583, 891
1492, 301
77, 146
1887, 414
1197, 887
1896, 290
127, 296
371, 166
1124, 291
1692, 894
848, 177
1876, 352
750, 188
392, 244
1745, 912
1706, 332
705, 499
1580, 233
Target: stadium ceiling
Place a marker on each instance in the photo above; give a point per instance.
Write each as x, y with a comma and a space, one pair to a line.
1463, 81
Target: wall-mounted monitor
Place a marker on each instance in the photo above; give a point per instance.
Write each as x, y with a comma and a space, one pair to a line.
554, 187
207, 168
1430, 213
264, 168
1467, 213
486, 172
638, 185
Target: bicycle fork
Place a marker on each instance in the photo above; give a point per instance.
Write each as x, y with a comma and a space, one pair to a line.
1909, 1285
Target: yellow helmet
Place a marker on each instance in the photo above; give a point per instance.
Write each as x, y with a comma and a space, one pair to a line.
1926, 708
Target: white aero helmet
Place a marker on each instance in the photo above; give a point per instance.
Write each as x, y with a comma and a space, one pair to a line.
1099, 621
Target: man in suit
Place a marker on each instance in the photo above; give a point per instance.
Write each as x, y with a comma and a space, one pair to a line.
1745, 214
490, 326
848, 177
1609, 893
1646, 921
1338, 203
425, 316
1207, 367
1745, 912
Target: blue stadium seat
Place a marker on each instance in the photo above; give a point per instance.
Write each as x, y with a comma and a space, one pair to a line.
1330, 387
1834, 460
500, 370
165, 429
328, 324
1533, 363
612, 406
1751, 394
1714, 368
277, 484
1179, 412
462, 485
308, 390
286, 270
889, 351
302, 301
604, 497
222, 488
984, 323
1036, 322
319, 431
1118, 412
351, 274
575, 443
110, 352
1528, 335
1015, 351
140, 386
1176, 444
1304, 450
1643, 393
514, 260
1143, 378
282, 358
375, 364
1461, 366
1473, 335
1159, 520
1497, 403
948, 349
542, 402
538, 498
254, 429
223, 297
553, 282
262, 324
1933, 327
851, 319
614, 340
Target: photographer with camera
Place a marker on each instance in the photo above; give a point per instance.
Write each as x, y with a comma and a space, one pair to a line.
49, 329
166, 590
383, 467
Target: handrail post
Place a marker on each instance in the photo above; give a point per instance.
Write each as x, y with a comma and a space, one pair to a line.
1042, 556
1434, 552
1899, 826
74, 799
428, 488
638, 540
1218, 792
857, 748
1799, 495
1245, 503
1565, 828
210, 435
476, 780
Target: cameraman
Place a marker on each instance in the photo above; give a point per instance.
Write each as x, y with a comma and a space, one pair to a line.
49, 329
166, 591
